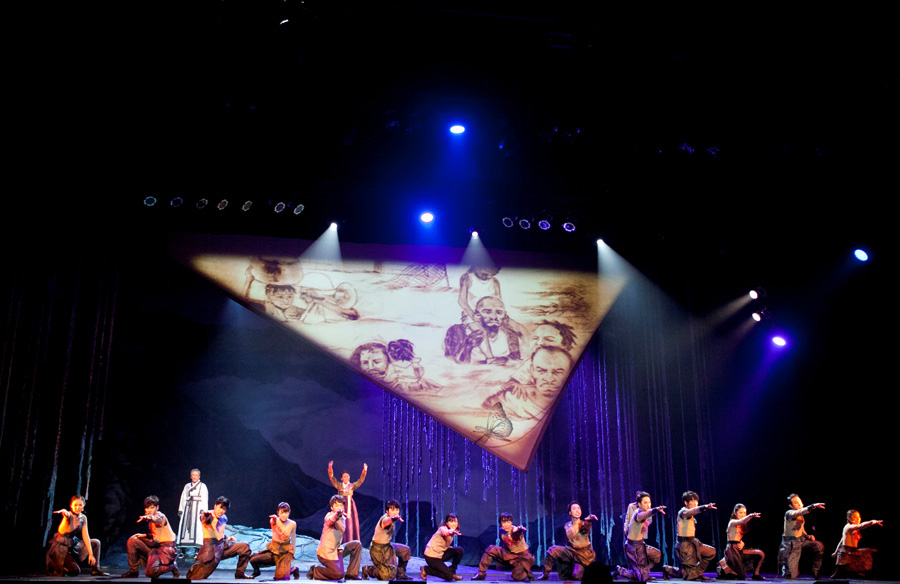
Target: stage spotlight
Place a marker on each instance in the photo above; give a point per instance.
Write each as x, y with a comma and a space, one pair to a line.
508, 222
599, 242
222, 204
246, 206
150, 201
176, 202
457, 129
780, 341
861, 255
544, 224
753, 294
474, 235
524, 223
279, 207
569, 226
299, 208
756, 316
426, 217
333, 226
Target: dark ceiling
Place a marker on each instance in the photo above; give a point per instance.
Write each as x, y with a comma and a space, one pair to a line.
714, 134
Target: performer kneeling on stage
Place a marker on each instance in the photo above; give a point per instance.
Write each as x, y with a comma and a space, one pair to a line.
511, 553
330, 552
736, 553
71, 544
795, 539
157, 551
440, 548
280, 551
641, 557
693, 555
853, 561
217, 547
390, 558
571, 560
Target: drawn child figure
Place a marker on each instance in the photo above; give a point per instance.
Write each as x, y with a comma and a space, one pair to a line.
404, 371
71, 544
511, 553
280, 550
853, 561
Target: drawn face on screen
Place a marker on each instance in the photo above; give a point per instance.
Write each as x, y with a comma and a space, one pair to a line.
549, 370
280, 296
491, 311
373, 363
546, 335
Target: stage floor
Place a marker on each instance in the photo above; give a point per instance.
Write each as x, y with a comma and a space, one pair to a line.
467, 572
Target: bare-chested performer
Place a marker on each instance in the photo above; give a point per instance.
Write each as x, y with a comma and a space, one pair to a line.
852, 561
157, 551
795, 540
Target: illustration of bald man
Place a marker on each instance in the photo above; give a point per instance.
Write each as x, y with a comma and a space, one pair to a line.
494, 341
549, 370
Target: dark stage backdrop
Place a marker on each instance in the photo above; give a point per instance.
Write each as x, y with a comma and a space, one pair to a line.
121, 373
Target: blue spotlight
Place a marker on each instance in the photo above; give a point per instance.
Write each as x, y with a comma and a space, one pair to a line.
457, 129
426, 217
779, 341
150, 201
861, 255
474, 235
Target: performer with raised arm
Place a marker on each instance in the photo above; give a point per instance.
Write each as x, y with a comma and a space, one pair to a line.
157, 551
641, 557
72, 544
440, 549
736, 553
280, 551
693, 555
194, 498
571, 559
217, 547
511, 553
330, 551
851, 560
390, 558
346, 489
795, 540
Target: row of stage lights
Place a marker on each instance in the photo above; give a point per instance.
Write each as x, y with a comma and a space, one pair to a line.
544, 224
203, 203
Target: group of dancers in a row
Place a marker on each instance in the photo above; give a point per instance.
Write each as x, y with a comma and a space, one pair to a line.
157, 550
739, 560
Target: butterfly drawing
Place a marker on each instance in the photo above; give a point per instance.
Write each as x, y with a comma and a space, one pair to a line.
497, 426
